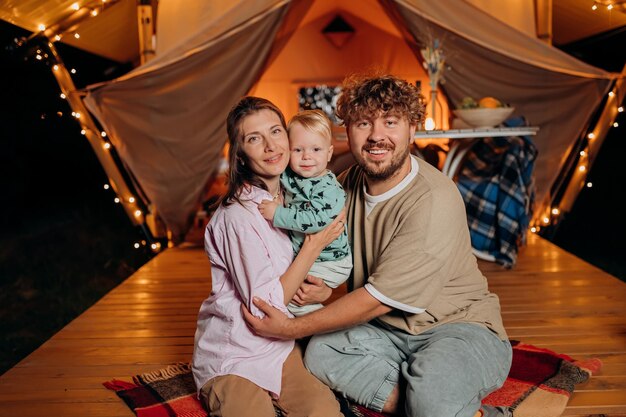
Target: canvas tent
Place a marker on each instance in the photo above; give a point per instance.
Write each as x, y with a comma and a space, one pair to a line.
166, 118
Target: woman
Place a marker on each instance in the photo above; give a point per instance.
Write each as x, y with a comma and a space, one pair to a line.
238, 373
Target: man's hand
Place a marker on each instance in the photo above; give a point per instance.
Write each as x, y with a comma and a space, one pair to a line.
275, 324
267, 209
312, 291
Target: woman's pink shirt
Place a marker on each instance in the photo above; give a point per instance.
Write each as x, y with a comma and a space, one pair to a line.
248, 256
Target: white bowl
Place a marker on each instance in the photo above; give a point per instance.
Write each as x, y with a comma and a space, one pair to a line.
484, 117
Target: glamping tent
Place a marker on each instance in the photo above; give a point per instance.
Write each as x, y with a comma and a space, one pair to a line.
166, 118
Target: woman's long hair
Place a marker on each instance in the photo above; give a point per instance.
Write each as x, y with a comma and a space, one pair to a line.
239, 172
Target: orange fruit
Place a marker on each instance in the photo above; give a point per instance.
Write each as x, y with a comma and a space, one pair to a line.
489, 102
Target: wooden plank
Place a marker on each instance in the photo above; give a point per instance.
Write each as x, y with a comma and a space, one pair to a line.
550, 299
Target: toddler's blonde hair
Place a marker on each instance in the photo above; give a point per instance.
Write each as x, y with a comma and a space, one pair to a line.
314, 121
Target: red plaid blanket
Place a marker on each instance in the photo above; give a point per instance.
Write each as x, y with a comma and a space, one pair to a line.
539, 385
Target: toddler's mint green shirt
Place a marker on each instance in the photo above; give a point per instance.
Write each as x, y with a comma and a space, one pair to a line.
310, 205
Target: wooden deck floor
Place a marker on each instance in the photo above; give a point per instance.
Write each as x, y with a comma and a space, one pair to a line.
551, 299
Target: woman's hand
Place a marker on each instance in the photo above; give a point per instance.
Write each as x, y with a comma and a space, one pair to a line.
325, 236
312, 291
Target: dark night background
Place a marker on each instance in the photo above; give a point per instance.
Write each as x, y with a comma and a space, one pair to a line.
65, 243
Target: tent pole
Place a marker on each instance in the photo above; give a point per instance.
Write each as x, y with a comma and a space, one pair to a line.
145, 26
100, 146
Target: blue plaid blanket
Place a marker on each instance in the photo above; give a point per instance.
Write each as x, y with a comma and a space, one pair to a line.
497, 185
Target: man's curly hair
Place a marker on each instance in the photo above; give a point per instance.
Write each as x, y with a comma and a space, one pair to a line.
365, 96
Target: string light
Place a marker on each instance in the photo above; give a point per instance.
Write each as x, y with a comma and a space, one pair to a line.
131, 200
117, 200
94, 12
55, 67
591, 136
57, 37
583, 153
611, 94
39, 57
103, 134
41, 27
582, 168
620, 109
107, 186
137, 213
136, 245
610, 7
533, 229
615, 124
106, 145
83, 132
594, 7
76, 35
75, 6
555, 211
589, 184
73, 71
546, 220
62, 96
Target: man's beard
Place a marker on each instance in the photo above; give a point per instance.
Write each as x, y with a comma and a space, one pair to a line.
374, 170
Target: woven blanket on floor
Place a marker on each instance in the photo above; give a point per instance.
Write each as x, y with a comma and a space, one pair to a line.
539, 385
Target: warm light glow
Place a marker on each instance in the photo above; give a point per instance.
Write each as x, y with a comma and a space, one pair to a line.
106, 145
55, 67
583, 153
136, 245
76, 35
429, 124
615, 124
555, 211
154, 246
594, 7
117, 200
103, 134
591, 136
94, 12
533, 229
611, 94
131, 199
107, 186
41, 27
546, 220
620, 109
73, 71
137, 213
75, 6
77, 115
589, 184
582, 168
609, 7
83, 132
39, 57
57, 37
62, 96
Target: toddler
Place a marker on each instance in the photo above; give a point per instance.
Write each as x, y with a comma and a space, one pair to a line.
313, 198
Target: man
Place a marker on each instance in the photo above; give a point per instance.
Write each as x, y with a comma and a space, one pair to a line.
419, 332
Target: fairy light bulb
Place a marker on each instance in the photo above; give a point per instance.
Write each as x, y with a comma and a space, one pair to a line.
63, 96
117, 200
555, 211
583, 153
137, 213
611, 94
131, 199
73, 71
55, 67
594, 7
103, 134
39, 57
609, 7
620, 109
106, 186
582, 168
75, 6
591, 136
41, 27
615, 124
589, 184
77, 35
429, 124
57, 37
94, 12
83, 132
533, 229
546, 220
106, 145
136, 245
